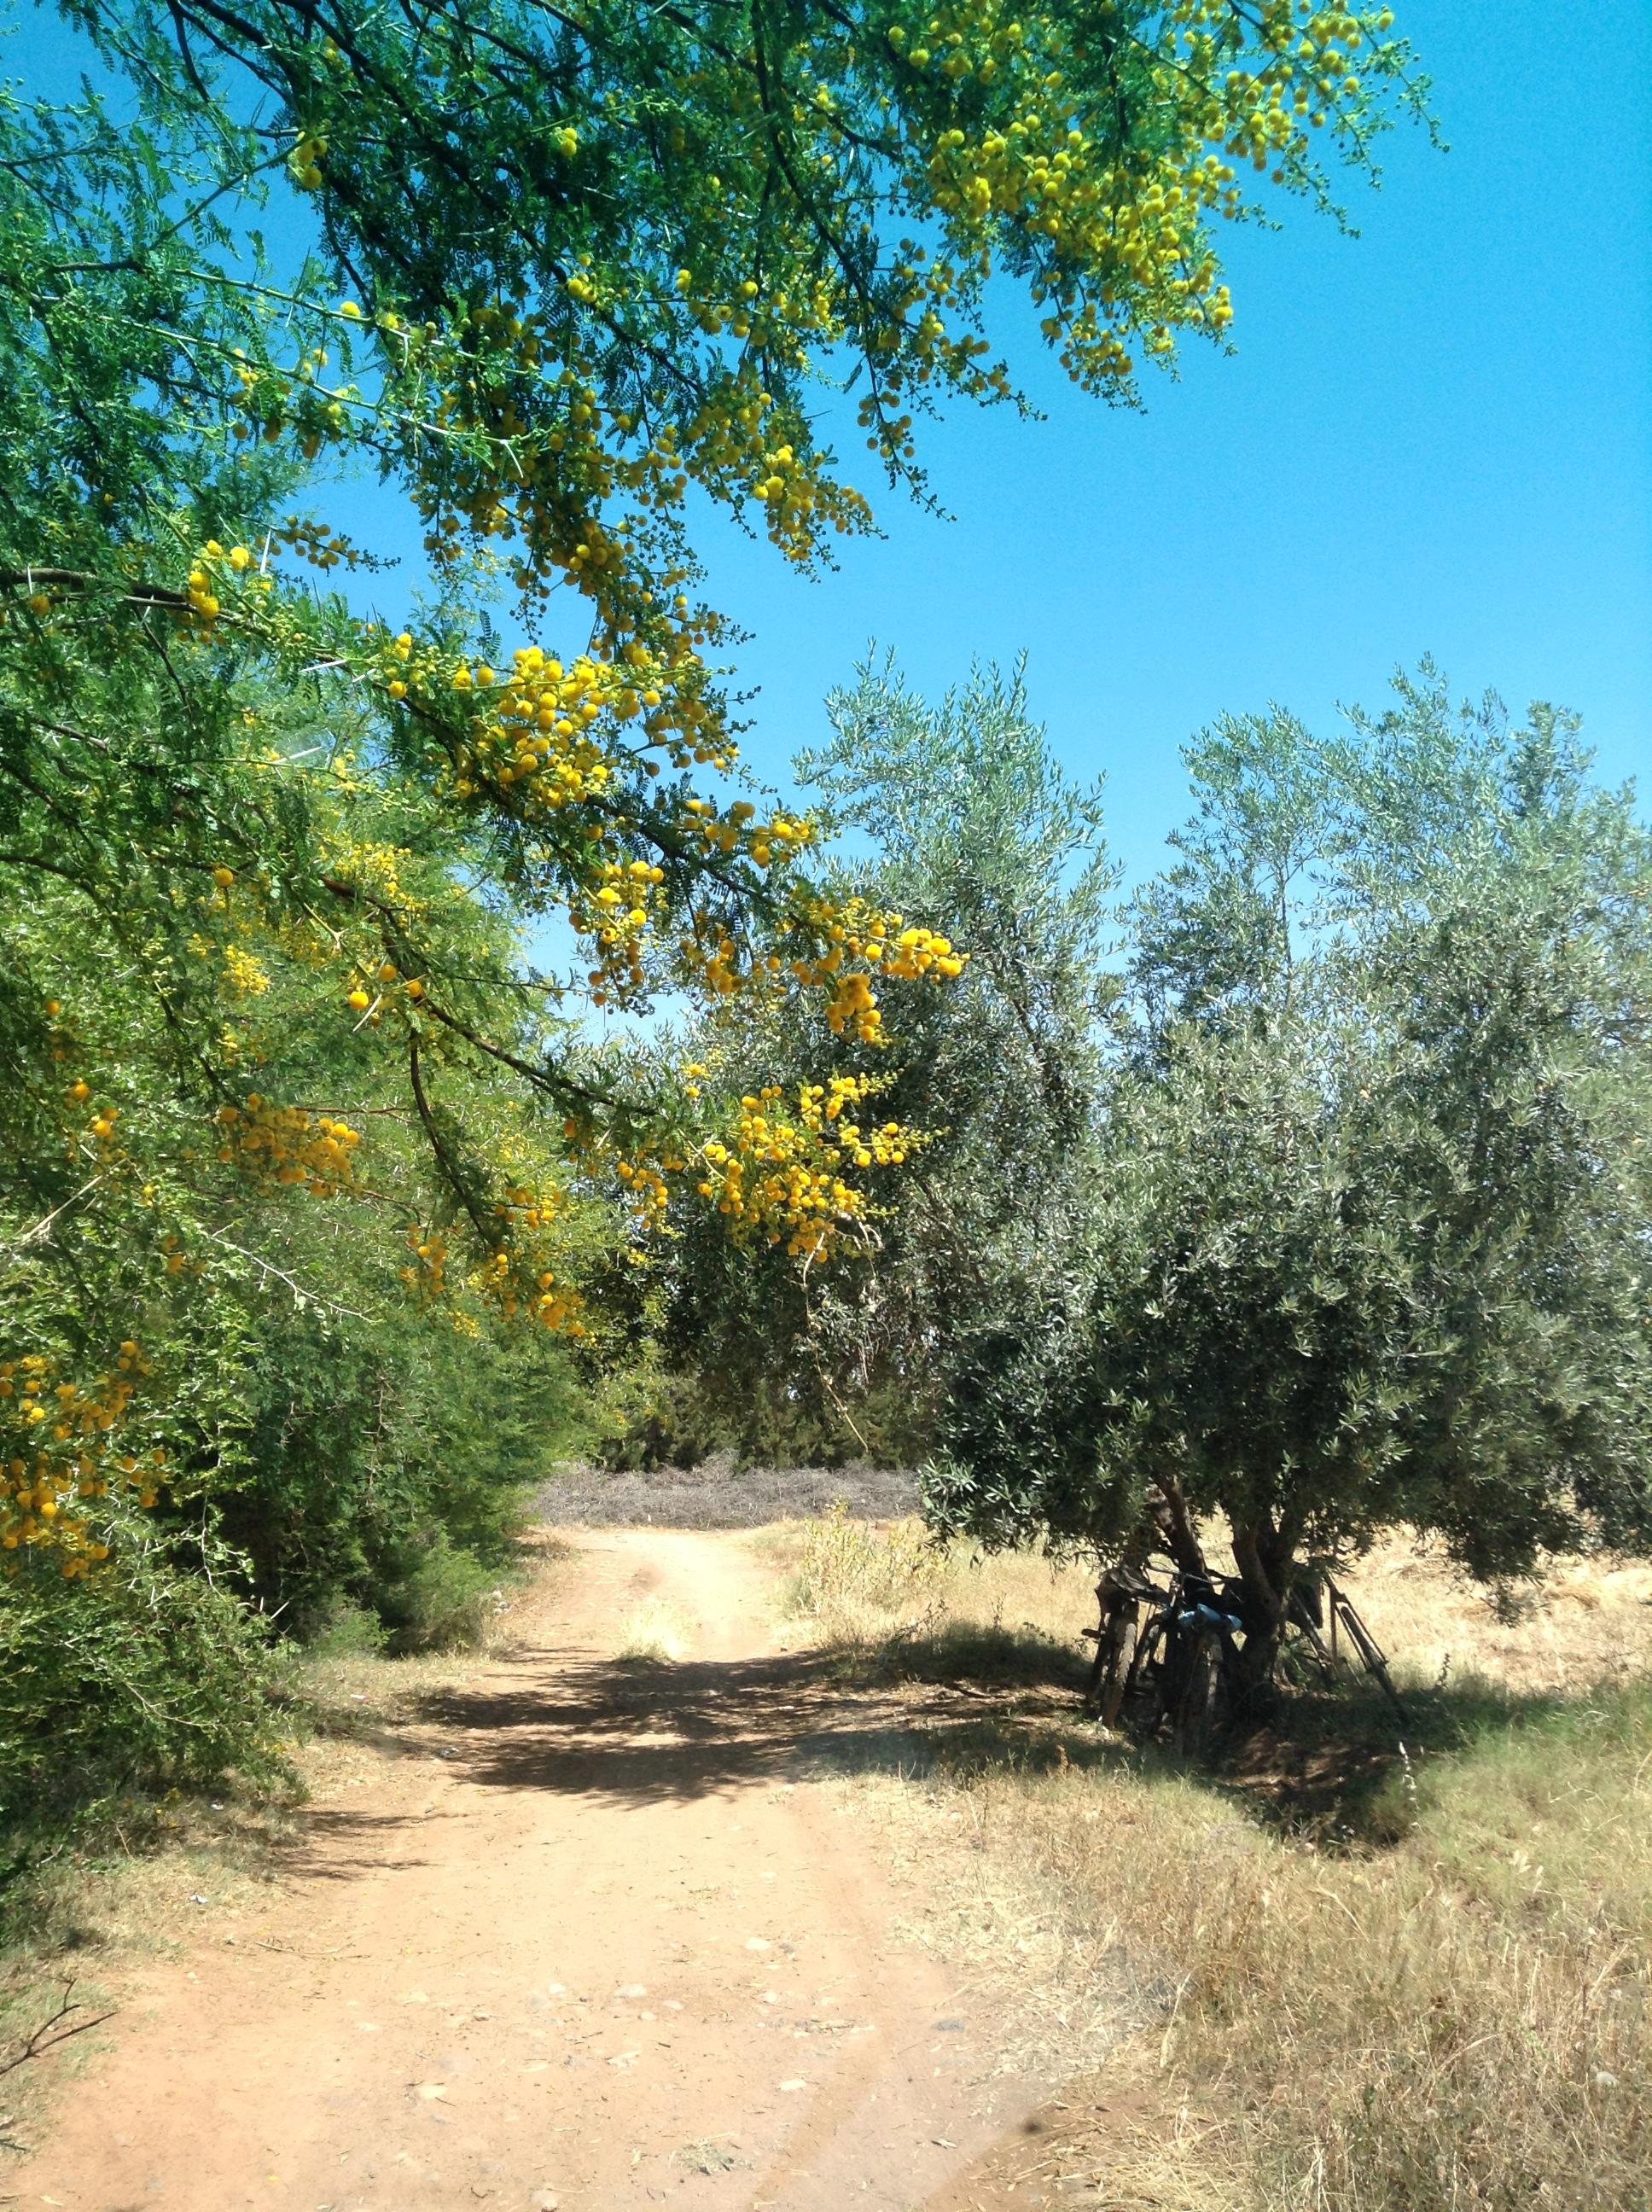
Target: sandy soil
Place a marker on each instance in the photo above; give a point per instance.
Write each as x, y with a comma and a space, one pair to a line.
591, 1931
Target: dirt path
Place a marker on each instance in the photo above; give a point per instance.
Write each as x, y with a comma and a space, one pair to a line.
590, 1935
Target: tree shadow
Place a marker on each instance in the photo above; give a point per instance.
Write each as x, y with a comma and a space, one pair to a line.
1338, 1765
990, 1656
648, 1731
1334, 1765
338, 1844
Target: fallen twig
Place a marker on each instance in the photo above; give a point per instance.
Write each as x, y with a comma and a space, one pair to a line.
42, 2040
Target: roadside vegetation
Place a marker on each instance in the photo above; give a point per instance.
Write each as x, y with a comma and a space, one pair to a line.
1367, 1972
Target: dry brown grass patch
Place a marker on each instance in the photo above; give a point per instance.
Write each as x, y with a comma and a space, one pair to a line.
1440, 2002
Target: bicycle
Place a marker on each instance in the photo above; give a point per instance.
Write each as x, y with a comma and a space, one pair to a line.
1311, 1602
1181, 1658
1172, 1648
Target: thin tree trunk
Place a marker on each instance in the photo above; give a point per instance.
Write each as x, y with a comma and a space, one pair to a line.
1175, 1525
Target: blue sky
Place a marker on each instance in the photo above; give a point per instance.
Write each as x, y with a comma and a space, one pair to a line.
1434, 437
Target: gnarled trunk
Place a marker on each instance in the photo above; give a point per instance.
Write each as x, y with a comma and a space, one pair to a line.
1265, 1556
1264, 1553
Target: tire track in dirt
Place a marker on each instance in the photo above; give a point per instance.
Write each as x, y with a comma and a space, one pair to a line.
590, 1936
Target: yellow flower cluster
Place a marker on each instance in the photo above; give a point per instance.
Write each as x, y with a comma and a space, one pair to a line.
530, 1209
510, 1279
288, 1144
711, 961
370, 989
269, 400
563, 454
371, 866
531, 743
246, 976
214, 571
852, 932
430, 1249
557, 1305
304, 163
888, 946
518, 1280
58, 1460
646, 1187
794, 495
734, 447
506, 1282
782, 1176
101, 1126
1121, 247
767, 844
615, 912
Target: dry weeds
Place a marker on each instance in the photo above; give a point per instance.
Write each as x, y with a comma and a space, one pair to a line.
654, 1632
1585, 1622
1440, 2002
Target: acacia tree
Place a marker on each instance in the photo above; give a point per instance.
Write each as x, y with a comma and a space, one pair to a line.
1374, 1221
548, 273
212, 1227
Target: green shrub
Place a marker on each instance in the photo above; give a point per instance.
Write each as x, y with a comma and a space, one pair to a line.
432, 1596
344, 1630
389, 1469
145, 1678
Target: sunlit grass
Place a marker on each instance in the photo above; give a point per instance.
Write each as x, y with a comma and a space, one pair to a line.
1438, 2000
652, 1632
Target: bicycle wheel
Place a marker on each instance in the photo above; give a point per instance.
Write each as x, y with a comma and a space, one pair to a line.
1115, 1658
1152, 1670
1199, 1702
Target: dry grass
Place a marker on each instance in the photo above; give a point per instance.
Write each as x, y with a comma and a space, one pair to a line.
877, 1589
1583, 1624
1586, 1622
1460, 2020
1448, 2010
655, 1632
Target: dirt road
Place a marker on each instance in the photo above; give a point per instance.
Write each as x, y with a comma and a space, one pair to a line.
594, 1933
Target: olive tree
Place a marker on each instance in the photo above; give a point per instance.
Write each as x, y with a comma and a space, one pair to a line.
966, 826
1375, 1238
